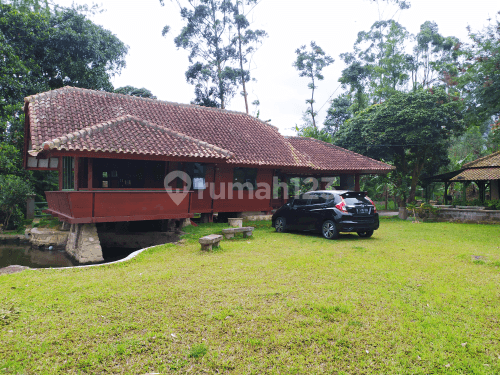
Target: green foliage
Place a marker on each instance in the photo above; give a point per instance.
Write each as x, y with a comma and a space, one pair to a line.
488, 204
434, 56
340, 111
13, 194
46, 49
47, 222
493, 140
411, 130
307, 129
467, 147
492, 204
480, 77
310, 64
423, 211
37, 6
10, 160
134, 91
379, 64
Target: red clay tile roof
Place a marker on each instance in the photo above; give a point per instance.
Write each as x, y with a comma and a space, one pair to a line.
59, 112
66, 118
326, 156
128, 134
492, 160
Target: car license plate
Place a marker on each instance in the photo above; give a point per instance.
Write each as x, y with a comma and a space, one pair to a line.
362, 210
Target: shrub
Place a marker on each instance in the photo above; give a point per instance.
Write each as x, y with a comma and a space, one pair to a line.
13, 194
492, 204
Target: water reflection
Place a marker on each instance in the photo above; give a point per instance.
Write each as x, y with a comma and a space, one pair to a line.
24, 255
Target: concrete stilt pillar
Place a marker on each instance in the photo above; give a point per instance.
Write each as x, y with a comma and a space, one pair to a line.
207, 218
83, 243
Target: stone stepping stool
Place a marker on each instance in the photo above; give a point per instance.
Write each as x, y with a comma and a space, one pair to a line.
230, 232
208, 241
235, 222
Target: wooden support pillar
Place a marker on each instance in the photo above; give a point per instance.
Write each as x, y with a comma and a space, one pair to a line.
356, 182
60, 170
76, 173
90, 173
445, 196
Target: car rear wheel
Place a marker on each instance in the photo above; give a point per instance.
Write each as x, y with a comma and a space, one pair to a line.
365, 234
280, 225
329, 230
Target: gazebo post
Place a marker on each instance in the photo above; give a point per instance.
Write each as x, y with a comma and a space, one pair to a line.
482, 190
446, 184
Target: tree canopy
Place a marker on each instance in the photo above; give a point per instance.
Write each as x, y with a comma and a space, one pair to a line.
480, 78
410, 130
134, 91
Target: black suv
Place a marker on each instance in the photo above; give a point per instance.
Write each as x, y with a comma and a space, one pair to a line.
329, 212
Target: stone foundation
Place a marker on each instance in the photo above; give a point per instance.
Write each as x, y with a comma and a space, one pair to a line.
83, 243
48, 237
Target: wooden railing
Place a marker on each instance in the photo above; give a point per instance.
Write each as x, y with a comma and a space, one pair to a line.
110, 206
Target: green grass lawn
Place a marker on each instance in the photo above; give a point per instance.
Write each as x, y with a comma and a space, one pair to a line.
413, 299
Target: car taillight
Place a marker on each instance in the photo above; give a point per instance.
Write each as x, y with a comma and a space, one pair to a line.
341, 205
374, 207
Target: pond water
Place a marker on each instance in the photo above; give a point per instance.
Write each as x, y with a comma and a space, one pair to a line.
23, 254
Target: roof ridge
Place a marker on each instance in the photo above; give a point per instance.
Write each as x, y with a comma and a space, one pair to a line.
469, 164
56, 142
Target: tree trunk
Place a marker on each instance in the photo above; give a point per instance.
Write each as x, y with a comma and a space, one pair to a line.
242, 72
417, 170
218, 60
312, 101
386, 196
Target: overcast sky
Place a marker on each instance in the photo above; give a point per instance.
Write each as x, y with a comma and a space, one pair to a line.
154, 62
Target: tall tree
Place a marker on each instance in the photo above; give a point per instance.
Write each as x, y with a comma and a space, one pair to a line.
208, 35
310, 64
410, 130
247, 40
480, 77
434, 56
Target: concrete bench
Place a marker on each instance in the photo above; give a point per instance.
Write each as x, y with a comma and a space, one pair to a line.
230, 232
208, 241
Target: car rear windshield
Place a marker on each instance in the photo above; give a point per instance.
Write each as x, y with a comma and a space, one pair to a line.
352, 199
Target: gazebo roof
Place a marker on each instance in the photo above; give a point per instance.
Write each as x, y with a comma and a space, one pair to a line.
478, 174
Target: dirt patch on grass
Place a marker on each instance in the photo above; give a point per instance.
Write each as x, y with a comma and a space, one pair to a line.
12, 269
